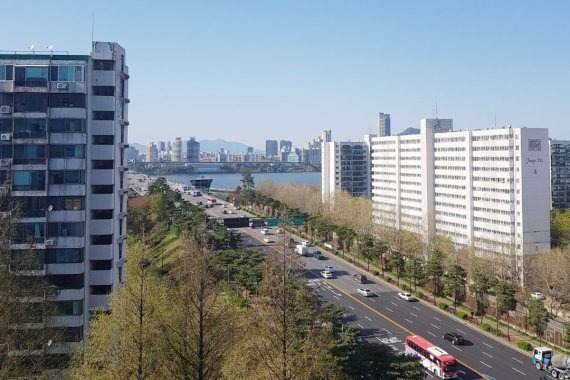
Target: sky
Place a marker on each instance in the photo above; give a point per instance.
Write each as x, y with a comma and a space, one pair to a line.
253, 70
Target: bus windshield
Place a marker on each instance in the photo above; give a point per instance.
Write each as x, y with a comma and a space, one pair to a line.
450, 366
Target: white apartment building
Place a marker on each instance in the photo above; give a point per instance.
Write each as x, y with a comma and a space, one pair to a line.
345, 166
487, 188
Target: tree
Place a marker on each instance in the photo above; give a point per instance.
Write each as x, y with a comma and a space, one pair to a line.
454, 282
435, 268
549, 272
560, 228
481, 283
370, 361
506, 301
567, 334
396, 261
538, 317
381, 248
367, 250
406, 367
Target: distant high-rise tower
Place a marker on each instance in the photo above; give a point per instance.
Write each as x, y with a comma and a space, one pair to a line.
177, 150
285, 146
192, 150
384, 125
271, 148
327, 136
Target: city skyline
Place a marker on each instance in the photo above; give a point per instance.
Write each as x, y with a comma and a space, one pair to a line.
332, 67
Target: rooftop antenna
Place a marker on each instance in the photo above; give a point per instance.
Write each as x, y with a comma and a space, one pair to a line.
32, 47
92, 26
50, 49
436, 110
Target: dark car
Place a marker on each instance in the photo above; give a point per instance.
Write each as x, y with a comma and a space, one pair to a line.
454, 338
359, 278
317, 255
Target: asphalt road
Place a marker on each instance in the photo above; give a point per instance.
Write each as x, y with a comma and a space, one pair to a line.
388, 319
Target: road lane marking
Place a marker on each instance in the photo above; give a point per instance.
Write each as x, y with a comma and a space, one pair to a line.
367, 317
517, 360
485, 364
395, 304
437, 319
488, 345
522, 373
380, 340
351, 307
387, 332
462, 332
336, 297
359, 325
434, 326
429, 374
417, 308
372, 299
484, 353
409, 321
430, 333
413, 314
390, 310
457, 348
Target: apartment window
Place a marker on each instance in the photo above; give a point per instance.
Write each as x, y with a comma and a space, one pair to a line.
100, 264
61, 177
103, 115
6, 124
101, 239
68, 307
29, 154
66, 203
31, 207
64, 255
102, 214
102, 164
25, 259
66, 151
6, 98
103, 90
66, 281
30, 102
6, 72
103, 139
100, 289
102, 189
120, 248
67, 125
73, 229
29, 128
69, 100
103, 64
29, 232
67, 73
23, 180
31, 76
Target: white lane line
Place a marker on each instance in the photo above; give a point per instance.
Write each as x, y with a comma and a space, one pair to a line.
367, 317
359, 325
437, 319
434, 326
380, 340
457, 348
517, 360
390, 310
409, 321
417, 308
387, 332
485, 364
484, 353
430, 333
429, 374
488, 345
351, 307
395, 304
462, 332
522, 373
336, 297
372, 299
413, 314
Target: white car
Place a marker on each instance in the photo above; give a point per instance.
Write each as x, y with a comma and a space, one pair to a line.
225, 205
537, 296
326, 274
406, 296
231, 212
364, 292
306, 243
264, 231
268, 240
329, 268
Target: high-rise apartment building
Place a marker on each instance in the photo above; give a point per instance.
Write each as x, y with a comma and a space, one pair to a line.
285, 146
384, 128
560, 173
151, 152
484, 188
271, 148
192, 150
177, 150
63, 122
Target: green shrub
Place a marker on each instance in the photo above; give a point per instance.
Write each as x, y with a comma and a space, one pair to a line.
375, 272
419, 294
523, 345
349, 259
461, 314
387, 278
442, 305
405, 287
487, 327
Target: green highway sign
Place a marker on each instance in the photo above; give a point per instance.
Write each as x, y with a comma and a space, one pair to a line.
298, 221
272, 222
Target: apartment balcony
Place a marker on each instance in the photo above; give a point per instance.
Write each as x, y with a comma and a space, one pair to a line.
67, 216
101, 252
102, 201
66, 190
63, 348
103, 103
66, 321
101, 277
67, 268
28, 193
98, 301
68, 138
102, 152
21, 165
68, 242
102, 176
101, 227
71, 113
67, 164
103, 78
102, 127
69, 294
72, 87
39, 139
7, 86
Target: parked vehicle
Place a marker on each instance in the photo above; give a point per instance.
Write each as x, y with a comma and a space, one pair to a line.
306, 243
365, 292
360, 278
196, 193
406, 296
264, 231
558, 365
256, 222
301, 249
268, 240
317, 255
454, 338
433, 358
326, 274
537, 296
329, 268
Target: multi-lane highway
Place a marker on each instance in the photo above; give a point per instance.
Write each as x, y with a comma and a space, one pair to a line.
388, 319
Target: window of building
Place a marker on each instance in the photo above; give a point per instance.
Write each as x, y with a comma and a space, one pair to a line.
6, 125
100, 289
29, 154
6, 72
66, 281
103, 139
64, 255
101, 239
103, 115
30, 102
31, 207
69, 307
102, 189
6, 98
31, 76
29, 233
102, 214
100, 264
23, 180
103, 64
29, 128
61, 177
25, 259
74, 229
66, 203
67, 73
67, 151
102, 164
103, 90
67, 125
67, 100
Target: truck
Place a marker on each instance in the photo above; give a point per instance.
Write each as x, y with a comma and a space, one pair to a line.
301, 249
558, 365
256, 222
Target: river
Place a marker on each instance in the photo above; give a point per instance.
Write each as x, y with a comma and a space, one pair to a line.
232, 180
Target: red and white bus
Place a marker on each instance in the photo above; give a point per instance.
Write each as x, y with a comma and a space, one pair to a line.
433, 358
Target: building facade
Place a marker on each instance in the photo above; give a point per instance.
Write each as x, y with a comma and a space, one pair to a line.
192, 150
483, 188
384, 128
271, 148
560, 178
64, 139
151, 152
285, 146
177, 150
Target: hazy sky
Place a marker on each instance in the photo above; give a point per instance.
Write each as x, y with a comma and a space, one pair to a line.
252, 70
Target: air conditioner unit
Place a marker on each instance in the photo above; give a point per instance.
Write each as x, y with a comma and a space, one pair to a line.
5, 109
62, 86
5, 136
5, 162
50, 242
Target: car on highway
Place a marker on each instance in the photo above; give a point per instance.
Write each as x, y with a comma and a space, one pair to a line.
231, 211
365, 292
359, 278
537, 296
264, 231
306, 243
225, 205
317, 255
454, 338
406, 296
268, 240
326, 274
329, 268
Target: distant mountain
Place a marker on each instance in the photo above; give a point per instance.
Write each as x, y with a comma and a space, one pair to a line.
208, 146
